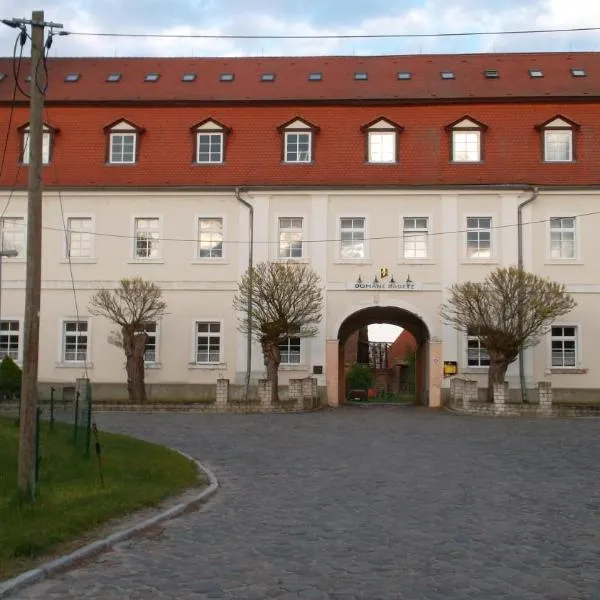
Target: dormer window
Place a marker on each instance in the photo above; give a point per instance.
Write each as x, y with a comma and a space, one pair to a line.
47, 141
557, 139
381, 140
466, 140
298, 140
210, 137
122, 142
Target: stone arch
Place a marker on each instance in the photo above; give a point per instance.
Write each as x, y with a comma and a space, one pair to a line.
403, 314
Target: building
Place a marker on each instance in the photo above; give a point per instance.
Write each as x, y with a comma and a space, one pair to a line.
400, 349
356, 348
393, 176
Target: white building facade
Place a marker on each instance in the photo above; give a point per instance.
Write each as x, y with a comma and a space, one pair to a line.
386, 249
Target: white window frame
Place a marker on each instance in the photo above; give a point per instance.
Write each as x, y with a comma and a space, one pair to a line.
371, 133
429, 240
62, 342
493, 242
576, 239
470, 337
547, 131
208, 259
457, 131
366, 258
111, 157
46, 143
67, 239
301, 364
221, 137
22, 256
134, 231
307, 132
7, 319
210, 364
578, 347
156, 361
301, 230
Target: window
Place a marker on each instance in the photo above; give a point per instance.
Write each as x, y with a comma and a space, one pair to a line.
297, 137
151, 348
122, 148
466, 146
562, 237
113, 77
122, 142
290, 351
290, 237
361, 76
152, 77
13, 234
404, 75
382, 146
415, 236
564, 346
352, 238
208, 342
297, 147
72, 77
210, 237
188, 77
315, 76
210, 138
479, 237
267, 77
558, 145
9, 339
79, 237
210, 147
227, 77
558, 140
46, 139
75, 341
578, 72
466, 140
491, 74
477, 355
147, 237
447, 75
536, 73
381, 140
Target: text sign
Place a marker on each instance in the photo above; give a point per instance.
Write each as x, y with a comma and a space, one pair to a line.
385, 286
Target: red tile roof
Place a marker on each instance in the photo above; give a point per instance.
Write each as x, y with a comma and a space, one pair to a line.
291, 82
511, 145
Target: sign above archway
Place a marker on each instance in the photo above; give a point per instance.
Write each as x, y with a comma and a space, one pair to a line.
403, 286
383, 281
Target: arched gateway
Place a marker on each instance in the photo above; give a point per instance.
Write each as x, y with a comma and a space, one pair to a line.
429, 364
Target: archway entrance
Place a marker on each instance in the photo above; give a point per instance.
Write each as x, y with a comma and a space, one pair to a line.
428, 352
